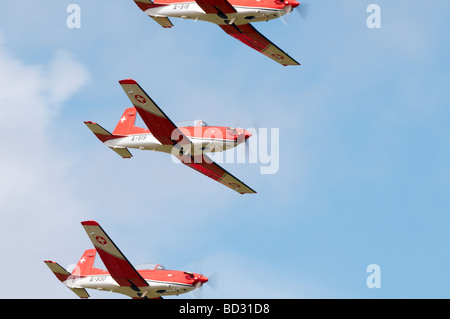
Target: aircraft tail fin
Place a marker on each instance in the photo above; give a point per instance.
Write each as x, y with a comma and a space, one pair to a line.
63, 275
85, 264
126, 124
103, 135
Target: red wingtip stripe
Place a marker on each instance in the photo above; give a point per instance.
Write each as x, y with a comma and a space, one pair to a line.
90, 223
128, 81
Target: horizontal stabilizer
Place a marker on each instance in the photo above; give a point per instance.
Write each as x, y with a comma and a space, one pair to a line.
163, 21
103, 135
144, 5
63, 275
124, 152
80, 292
97, 129
59, 271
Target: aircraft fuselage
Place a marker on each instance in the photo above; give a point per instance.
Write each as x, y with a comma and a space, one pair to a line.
253, 11
210, 139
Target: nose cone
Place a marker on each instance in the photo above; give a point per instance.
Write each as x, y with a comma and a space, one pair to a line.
242, 136
247, 134
293, 3
202, 279
199, 280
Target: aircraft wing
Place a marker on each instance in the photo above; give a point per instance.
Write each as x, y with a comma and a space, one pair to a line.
162, 128
245, 33
203, 164
219, 7
248, 35
168, 133
117, 264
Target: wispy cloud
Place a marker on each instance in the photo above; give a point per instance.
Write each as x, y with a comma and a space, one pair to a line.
33, 192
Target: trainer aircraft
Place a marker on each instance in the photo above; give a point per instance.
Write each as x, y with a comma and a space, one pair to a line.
151, 282
189, 144
232, 16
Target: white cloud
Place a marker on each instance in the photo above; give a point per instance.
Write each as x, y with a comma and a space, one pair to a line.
33, 192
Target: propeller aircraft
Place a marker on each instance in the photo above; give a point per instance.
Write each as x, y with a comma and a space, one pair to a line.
122, 277
188, 144
232, 16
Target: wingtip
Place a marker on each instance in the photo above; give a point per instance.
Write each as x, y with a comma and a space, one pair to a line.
89, 223
294, 64
252, 192
128, 81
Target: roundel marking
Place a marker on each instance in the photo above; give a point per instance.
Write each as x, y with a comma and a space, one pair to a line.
140, 98
100, 240
278, 56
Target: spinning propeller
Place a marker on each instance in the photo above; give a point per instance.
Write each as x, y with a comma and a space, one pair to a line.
199, 280
289, 7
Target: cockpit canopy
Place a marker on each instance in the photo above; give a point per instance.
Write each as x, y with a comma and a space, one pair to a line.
149, 266
193, 123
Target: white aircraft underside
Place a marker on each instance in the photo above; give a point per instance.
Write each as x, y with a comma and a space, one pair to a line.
149, 142
191, 10
107, 283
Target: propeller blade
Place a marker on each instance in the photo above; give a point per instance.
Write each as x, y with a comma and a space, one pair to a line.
288, 8
198, 284
247, 148
212, 282
196, 293
303, 10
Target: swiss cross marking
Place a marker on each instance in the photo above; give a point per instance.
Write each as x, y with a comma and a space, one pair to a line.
101, 240
140, 98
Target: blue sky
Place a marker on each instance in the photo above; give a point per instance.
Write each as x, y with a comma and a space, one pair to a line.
364, 172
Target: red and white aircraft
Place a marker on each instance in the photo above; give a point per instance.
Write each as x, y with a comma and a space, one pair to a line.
233, 16
188, 144
121, 276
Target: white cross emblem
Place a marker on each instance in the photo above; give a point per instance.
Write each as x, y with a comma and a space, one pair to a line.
101, 240
140, 99
123, 119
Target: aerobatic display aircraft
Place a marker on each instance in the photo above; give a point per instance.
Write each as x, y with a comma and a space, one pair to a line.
232, 16
188, 143
122, 277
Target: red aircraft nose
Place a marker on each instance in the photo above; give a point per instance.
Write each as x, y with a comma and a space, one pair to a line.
199, 280
242, 136
293, 3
